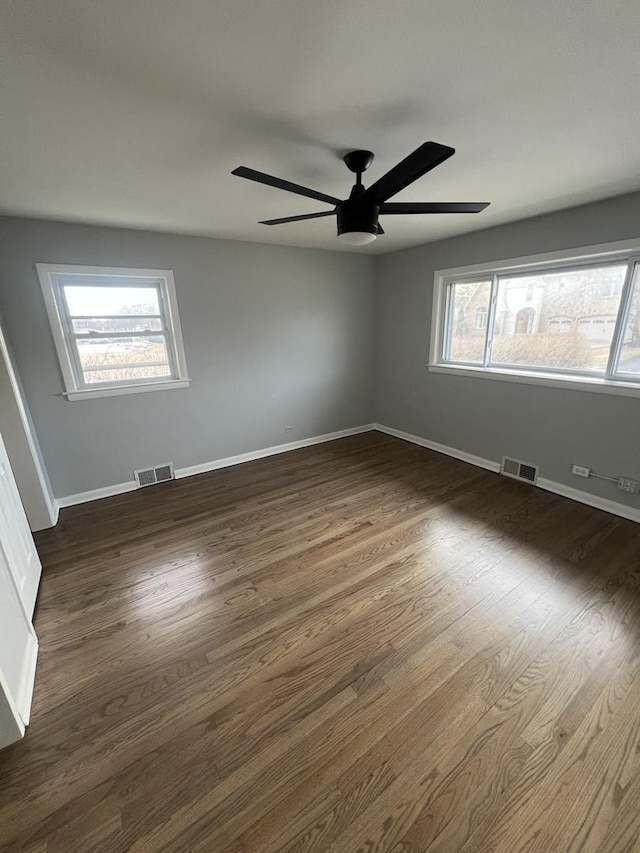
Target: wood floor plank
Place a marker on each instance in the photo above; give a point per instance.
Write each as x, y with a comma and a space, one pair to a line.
597, 765
537, 775
358, 646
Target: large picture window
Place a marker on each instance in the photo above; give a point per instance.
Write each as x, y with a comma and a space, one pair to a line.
574, 318
115, 330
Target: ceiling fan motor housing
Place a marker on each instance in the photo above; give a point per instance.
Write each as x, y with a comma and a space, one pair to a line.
355, 216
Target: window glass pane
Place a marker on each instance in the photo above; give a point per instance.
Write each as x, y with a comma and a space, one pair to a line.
629, 361
97, 301
122, 359
117, 324
128, 374
469, 309
563, 320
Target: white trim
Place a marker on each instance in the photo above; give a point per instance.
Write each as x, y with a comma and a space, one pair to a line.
576, 383
12, 728
479, 461
619, 250
75, 387
225, 462
583, 253
228, 461
50, 503
25, 695
439, 314
91, 393
605, 504
81, 269
97, 494
613, 507
55, 512
56, 323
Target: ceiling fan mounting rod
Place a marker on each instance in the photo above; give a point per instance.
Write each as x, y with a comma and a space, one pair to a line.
358, 162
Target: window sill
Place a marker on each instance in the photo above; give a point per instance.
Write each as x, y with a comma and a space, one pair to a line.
92, 393
576, 383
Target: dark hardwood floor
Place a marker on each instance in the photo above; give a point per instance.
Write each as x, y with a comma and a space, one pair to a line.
360, 646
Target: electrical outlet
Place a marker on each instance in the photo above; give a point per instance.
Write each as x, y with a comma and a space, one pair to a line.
627, 485
581, 470
288, 429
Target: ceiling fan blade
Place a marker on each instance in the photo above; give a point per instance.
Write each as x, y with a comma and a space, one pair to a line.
380, 229
426, 157
285, 219
279, 183
434, 207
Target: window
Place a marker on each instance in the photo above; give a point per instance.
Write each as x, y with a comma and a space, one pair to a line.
584, 348
551, 319
629, 358
116, 331
466, 338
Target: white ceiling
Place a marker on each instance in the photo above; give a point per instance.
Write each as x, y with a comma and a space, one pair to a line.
134, 112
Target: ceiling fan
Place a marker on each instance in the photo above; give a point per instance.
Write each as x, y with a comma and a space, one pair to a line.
358, 215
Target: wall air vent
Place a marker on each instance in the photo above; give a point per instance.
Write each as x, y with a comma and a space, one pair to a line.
151, 476
519, 470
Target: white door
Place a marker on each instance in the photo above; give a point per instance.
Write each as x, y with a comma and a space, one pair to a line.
18, 653
15, 536
19, 577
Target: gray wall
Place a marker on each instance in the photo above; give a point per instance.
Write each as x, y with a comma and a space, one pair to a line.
273, 336
278, 336
549, 426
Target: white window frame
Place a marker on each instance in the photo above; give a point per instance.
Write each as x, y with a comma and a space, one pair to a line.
622, 251
75, 387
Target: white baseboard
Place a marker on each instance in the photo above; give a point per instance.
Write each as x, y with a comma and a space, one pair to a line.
96, 494
440, 448
613, 507
226, 462
53, 511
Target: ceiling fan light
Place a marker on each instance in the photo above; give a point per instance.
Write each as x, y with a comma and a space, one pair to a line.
357, 238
